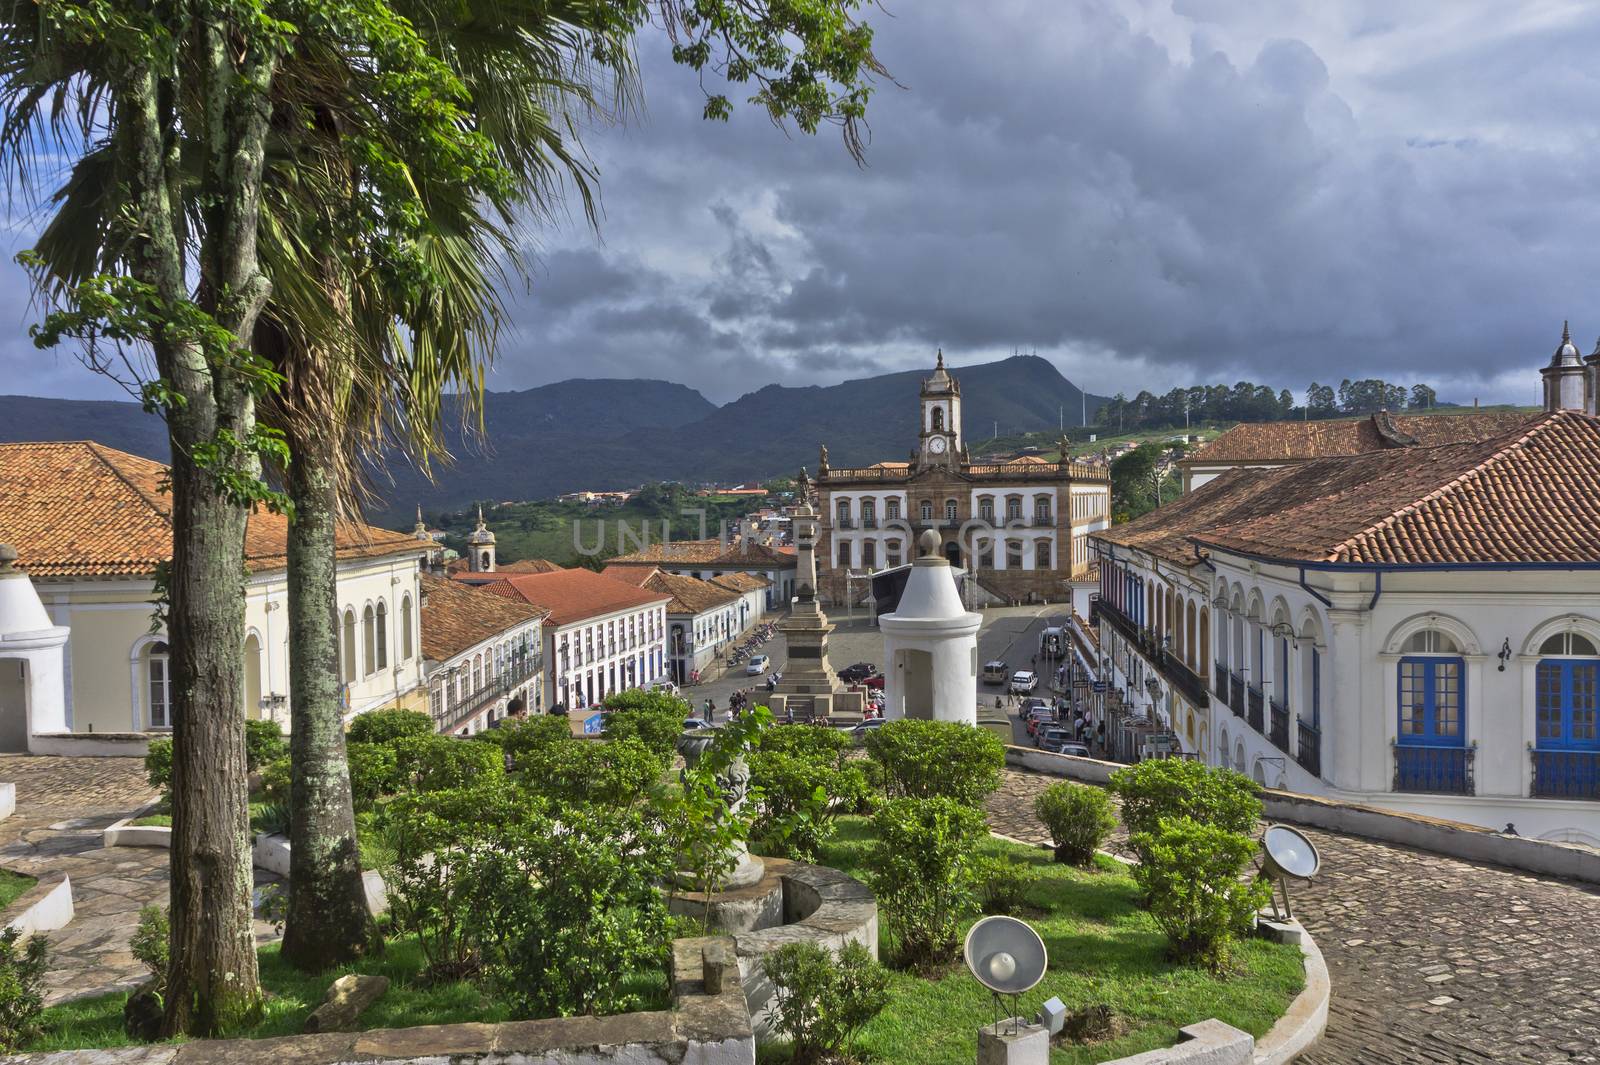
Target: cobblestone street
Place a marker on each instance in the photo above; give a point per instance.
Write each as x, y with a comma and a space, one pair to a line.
1432, 959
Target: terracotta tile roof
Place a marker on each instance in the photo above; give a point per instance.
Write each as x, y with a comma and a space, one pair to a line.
1301, 441
1525, 496
528, 565
742, 582
573, 594
637, 576
736, 555
457, 616
690, 595
79, 509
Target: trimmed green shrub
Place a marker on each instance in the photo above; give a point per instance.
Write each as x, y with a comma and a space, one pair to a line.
374, 773
1002, 884
797, 814
158, 764
22, 968
437, 763
387, 726
1190, 876
531, 734
275, 781
1162, 788
655, 719
263, 744
151, 943
1079, 818
822, 1002
923, 874
927, 759
807, 740
618, 773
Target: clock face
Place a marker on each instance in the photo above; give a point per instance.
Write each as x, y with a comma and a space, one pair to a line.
936, 445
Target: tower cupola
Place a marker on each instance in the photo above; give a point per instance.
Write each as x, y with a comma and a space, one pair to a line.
1564, 377
939, 443
480, 547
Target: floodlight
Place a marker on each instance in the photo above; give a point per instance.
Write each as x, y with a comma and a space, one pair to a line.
1007, 956
1052, 1015
1285, 853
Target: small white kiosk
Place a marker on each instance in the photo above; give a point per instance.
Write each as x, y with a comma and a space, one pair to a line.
32, 693
930, 644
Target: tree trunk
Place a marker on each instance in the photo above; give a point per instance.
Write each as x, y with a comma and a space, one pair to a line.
213, 981
327, 920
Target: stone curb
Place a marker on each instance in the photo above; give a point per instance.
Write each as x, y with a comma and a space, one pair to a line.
125, 833
45, 907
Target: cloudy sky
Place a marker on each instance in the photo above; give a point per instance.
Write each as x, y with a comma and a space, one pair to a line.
1150, 193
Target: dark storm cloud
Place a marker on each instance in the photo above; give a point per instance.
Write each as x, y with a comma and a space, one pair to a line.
1150, 192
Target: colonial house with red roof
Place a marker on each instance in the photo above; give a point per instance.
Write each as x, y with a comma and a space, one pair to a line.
91, 525
1413, 627
713, 558
484, 656
600, 635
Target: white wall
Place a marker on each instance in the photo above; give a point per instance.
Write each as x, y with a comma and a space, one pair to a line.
604, 669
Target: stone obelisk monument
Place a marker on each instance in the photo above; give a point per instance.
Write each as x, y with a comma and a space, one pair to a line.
809, 684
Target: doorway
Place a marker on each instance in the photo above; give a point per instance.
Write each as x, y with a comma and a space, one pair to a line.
13, 704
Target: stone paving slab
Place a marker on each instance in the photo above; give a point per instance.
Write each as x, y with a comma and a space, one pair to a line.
1432, 959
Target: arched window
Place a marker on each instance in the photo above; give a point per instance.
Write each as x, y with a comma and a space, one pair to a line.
869, 514
158, 683
891, 508
1189, 635
1566, 715
1431, 730
1041, 554
349, 645
950, 510
891, 550
1430, 642
1203, 652
383, 635
938, 419
477, 673
1013, 508
869, 554
1013, 554
842, 514
844, 554
406, 652
986, 508
1041, 510
926, 508
369, 642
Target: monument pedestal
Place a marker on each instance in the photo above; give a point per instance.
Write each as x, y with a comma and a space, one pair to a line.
809, 687
1015, 1043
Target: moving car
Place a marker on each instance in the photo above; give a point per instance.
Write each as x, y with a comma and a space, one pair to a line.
857, 673
757, 665
994, 672
1024, 681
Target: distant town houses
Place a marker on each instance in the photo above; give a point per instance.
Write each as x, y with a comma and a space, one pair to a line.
703, 616
712, 558
483, 656
1400, 612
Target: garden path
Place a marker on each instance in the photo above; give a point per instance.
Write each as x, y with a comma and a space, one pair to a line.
63, 804
1432, 959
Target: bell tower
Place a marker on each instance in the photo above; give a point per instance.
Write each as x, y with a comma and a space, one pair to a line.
939, 442
480, 547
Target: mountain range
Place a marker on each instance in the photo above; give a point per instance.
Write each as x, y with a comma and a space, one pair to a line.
603, 434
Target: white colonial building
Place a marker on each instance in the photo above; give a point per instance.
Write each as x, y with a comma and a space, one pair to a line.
703, 617
600, 635
91, 525
484, 656
1416, 628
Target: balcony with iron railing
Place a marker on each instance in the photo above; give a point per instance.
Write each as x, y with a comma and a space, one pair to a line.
1566, 774
1434, 769
1163, 661
1257, 711
1278, 733
1219, 680
1236, 699
869, 523
468, 706
1043, 519
843, 523
1308, 749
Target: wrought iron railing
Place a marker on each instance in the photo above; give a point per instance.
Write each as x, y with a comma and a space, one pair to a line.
1257, 712
1236, 698
1279, 731
1566, 774
1043, 519
470, 705
1444, 770
843, 523
1308, 751
1219, 681
1168, 665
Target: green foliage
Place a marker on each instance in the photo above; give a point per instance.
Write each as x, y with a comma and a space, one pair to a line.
263, 743
1162, 788
151, 943
388, 726
22, 969
276, 778
926, 759
439, 763
374, 773
1190, 872
655, 719
822, 1002
531, 734
1002, 884
616, 773
1079, 818
923, 873
272, 818
810, 741
158, 764
806, 780
713, 811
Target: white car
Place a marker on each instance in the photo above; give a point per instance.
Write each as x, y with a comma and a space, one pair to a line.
756, 666
1024, 681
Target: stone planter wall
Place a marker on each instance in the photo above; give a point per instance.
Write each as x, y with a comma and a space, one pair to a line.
91, 744
44, 907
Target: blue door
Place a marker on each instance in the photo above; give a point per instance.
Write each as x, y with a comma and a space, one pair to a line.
1430, 753
1567, 756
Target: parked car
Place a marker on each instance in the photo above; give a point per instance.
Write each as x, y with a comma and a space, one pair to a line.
1024, 681
859, 732
874, 682
757, 665
857, 673
1037, 718
995, 672
1077, 750
1053, 739
692, 723
664, 686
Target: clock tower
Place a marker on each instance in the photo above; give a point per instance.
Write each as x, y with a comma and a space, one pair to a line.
939, 443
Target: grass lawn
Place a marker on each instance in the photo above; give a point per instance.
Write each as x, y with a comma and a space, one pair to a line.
152, 821
12, 885
292, 995
1103, 949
